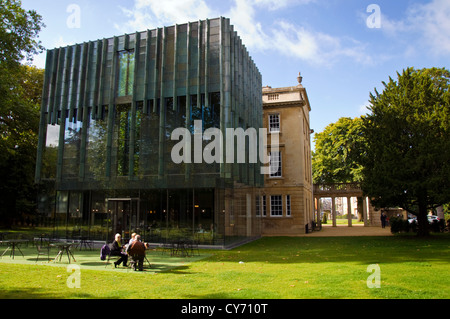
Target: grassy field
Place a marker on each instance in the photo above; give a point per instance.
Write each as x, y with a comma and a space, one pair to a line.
272, 268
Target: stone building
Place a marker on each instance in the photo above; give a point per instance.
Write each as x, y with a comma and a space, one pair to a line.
287, 200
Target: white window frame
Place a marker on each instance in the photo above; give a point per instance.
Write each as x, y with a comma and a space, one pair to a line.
278, 204
288, 206
258, 206
270, 122
278, 173
264, 205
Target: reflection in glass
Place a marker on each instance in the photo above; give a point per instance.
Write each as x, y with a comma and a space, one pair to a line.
50, 155
148, 142
122, 138
96, 150
174, 119
72, 145
126, 73
137, 139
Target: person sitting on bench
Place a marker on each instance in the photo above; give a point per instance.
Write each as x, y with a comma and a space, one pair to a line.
137, 252
116, 250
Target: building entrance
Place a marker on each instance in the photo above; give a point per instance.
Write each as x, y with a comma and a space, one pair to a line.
123, 215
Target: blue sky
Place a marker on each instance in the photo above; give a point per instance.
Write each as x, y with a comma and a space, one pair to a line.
341, 48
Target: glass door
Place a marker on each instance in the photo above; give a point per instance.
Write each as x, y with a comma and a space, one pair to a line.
124, 217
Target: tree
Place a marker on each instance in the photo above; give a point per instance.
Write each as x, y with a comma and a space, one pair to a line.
19, 131
18, 32
336, 152
407, 158
20, 94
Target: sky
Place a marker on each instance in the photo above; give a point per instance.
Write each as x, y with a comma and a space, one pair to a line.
344, 49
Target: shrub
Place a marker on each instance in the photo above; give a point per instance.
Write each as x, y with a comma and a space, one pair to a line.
437, 226
398, 225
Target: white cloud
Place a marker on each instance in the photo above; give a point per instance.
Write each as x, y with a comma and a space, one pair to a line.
242, 16
294, 41
393, 27
362, 109
316, 47
433, 21
61, 42
425, 27
289, 39
278, 4
283, 37
149, 14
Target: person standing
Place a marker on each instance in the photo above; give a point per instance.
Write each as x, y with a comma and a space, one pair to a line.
383, 220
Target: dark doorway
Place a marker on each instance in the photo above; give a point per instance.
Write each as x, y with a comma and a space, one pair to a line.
123, 215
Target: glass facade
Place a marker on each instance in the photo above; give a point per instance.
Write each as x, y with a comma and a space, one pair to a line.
96, 149
109, 109
126, 73
72, 147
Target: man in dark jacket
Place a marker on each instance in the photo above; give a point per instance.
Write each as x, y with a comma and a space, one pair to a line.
137, 252
383, 220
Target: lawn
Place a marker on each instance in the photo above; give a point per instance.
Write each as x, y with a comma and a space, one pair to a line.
269, 268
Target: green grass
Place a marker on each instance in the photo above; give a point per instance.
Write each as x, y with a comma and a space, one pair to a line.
275, 268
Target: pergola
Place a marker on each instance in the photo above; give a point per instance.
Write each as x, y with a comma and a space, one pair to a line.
334, 191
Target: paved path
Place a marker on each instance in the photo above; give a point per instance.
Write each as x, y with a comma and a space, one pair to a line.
355, 230
344, 230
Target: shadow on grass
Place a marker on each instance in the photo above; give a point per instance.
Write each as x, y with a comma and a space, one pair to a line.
155, 267
177, 270
96, 264
38, 293
27, 293
41, 259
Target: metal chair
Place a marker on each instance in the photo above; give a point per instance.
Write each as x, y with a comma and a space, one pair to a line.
43, 250
168, 246
192, 246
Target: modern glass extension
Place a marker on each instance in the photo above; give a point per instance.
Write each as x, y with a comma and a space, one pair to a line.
109, 108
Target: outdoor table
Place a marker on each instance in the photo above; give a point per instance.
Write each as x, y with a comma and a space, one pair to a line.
180, 246
3, 235
84, 241
13, 244
64, 247
42, 236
